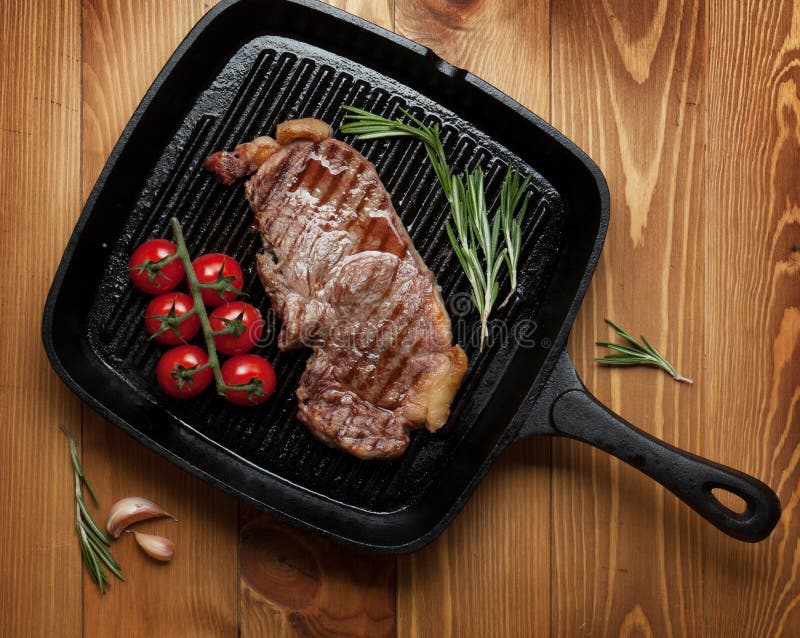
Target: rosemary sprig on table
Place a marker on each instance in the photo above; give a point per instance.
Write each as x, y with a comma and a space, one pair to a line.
637, 354
475, 239
94, 541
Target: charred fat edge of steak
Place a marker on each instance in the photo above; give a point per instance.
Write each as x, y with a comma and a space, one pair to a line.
437, 389
308, 128
228, 166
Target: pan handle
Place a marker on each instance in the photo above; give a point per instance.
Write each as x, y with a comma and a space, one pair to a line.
577, 414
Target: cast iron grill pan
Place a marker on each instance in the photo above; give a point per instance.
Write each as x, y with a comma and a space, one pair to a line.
241, 71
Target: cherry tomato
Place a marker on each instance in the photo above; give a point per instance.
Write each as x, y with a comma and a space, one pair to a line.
243, 320
148, 272
248, 368
164, 320
221, 270
177, 372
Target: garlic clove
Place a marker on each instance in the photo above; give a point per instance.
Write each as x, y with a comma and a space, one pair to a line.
157, 547
133, 509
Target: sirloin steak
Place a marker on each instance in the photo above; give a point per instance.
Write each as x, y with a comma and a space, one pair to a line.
346, 280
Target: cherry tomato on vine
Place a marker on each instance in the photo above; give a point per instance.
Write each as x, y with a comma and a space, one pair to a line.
248, 369
148, 271
178, 373
244, 323
221, 271
166, 321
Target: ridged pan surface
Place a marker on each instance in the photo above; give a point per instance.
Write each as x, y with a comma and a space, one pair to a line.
268, 80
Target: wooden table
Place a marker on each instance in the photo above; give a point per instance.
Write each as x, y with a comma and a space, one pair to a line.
691, 109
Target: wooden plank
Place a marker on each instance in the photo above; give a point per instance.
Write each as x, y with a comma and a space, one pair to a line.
380, 12
628, 82
294, 583
124, 45
753, 318
489, 574
40, 570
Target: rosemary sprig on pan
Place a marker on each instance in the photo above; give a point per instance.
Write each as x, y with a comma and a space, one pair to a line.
368, 126
474, 237
512, 212
475, 242
94, 541
637, 354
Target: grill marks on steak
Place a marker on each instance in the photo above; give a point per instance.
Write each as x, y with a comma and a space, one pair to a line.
345, 278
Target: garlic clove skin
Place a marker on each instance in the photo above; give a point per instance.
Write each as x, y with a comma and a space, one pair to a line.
158, 547
133, 509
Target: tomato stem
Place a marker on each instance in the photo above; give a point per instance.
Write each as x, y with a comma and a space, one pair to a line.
194, 288
220, 286
208, 334
170, 321
153, 268
166, 260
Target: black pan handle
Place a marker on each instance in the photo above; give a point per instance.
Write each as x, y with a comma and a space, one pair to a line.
575, 413
691, 478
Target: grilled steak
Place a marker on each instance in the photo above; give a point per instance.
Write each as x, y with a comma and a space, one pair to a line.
346, 280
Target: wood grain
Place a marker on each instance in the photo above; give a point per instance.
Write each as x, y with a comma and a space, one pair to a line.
628, 83
483, 36
40, 572
196, 594
295, 583
489, 574
753, 300
125, 43
380, 12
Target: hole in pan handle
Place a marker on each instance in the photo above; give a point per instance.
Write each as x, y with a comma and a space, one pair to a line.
577, 414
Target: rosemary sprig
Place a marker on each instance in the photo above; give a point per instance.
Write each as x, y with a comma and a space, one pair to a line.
475, 239
93, 540
369, 126
637, 354
511, 200
472, 239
